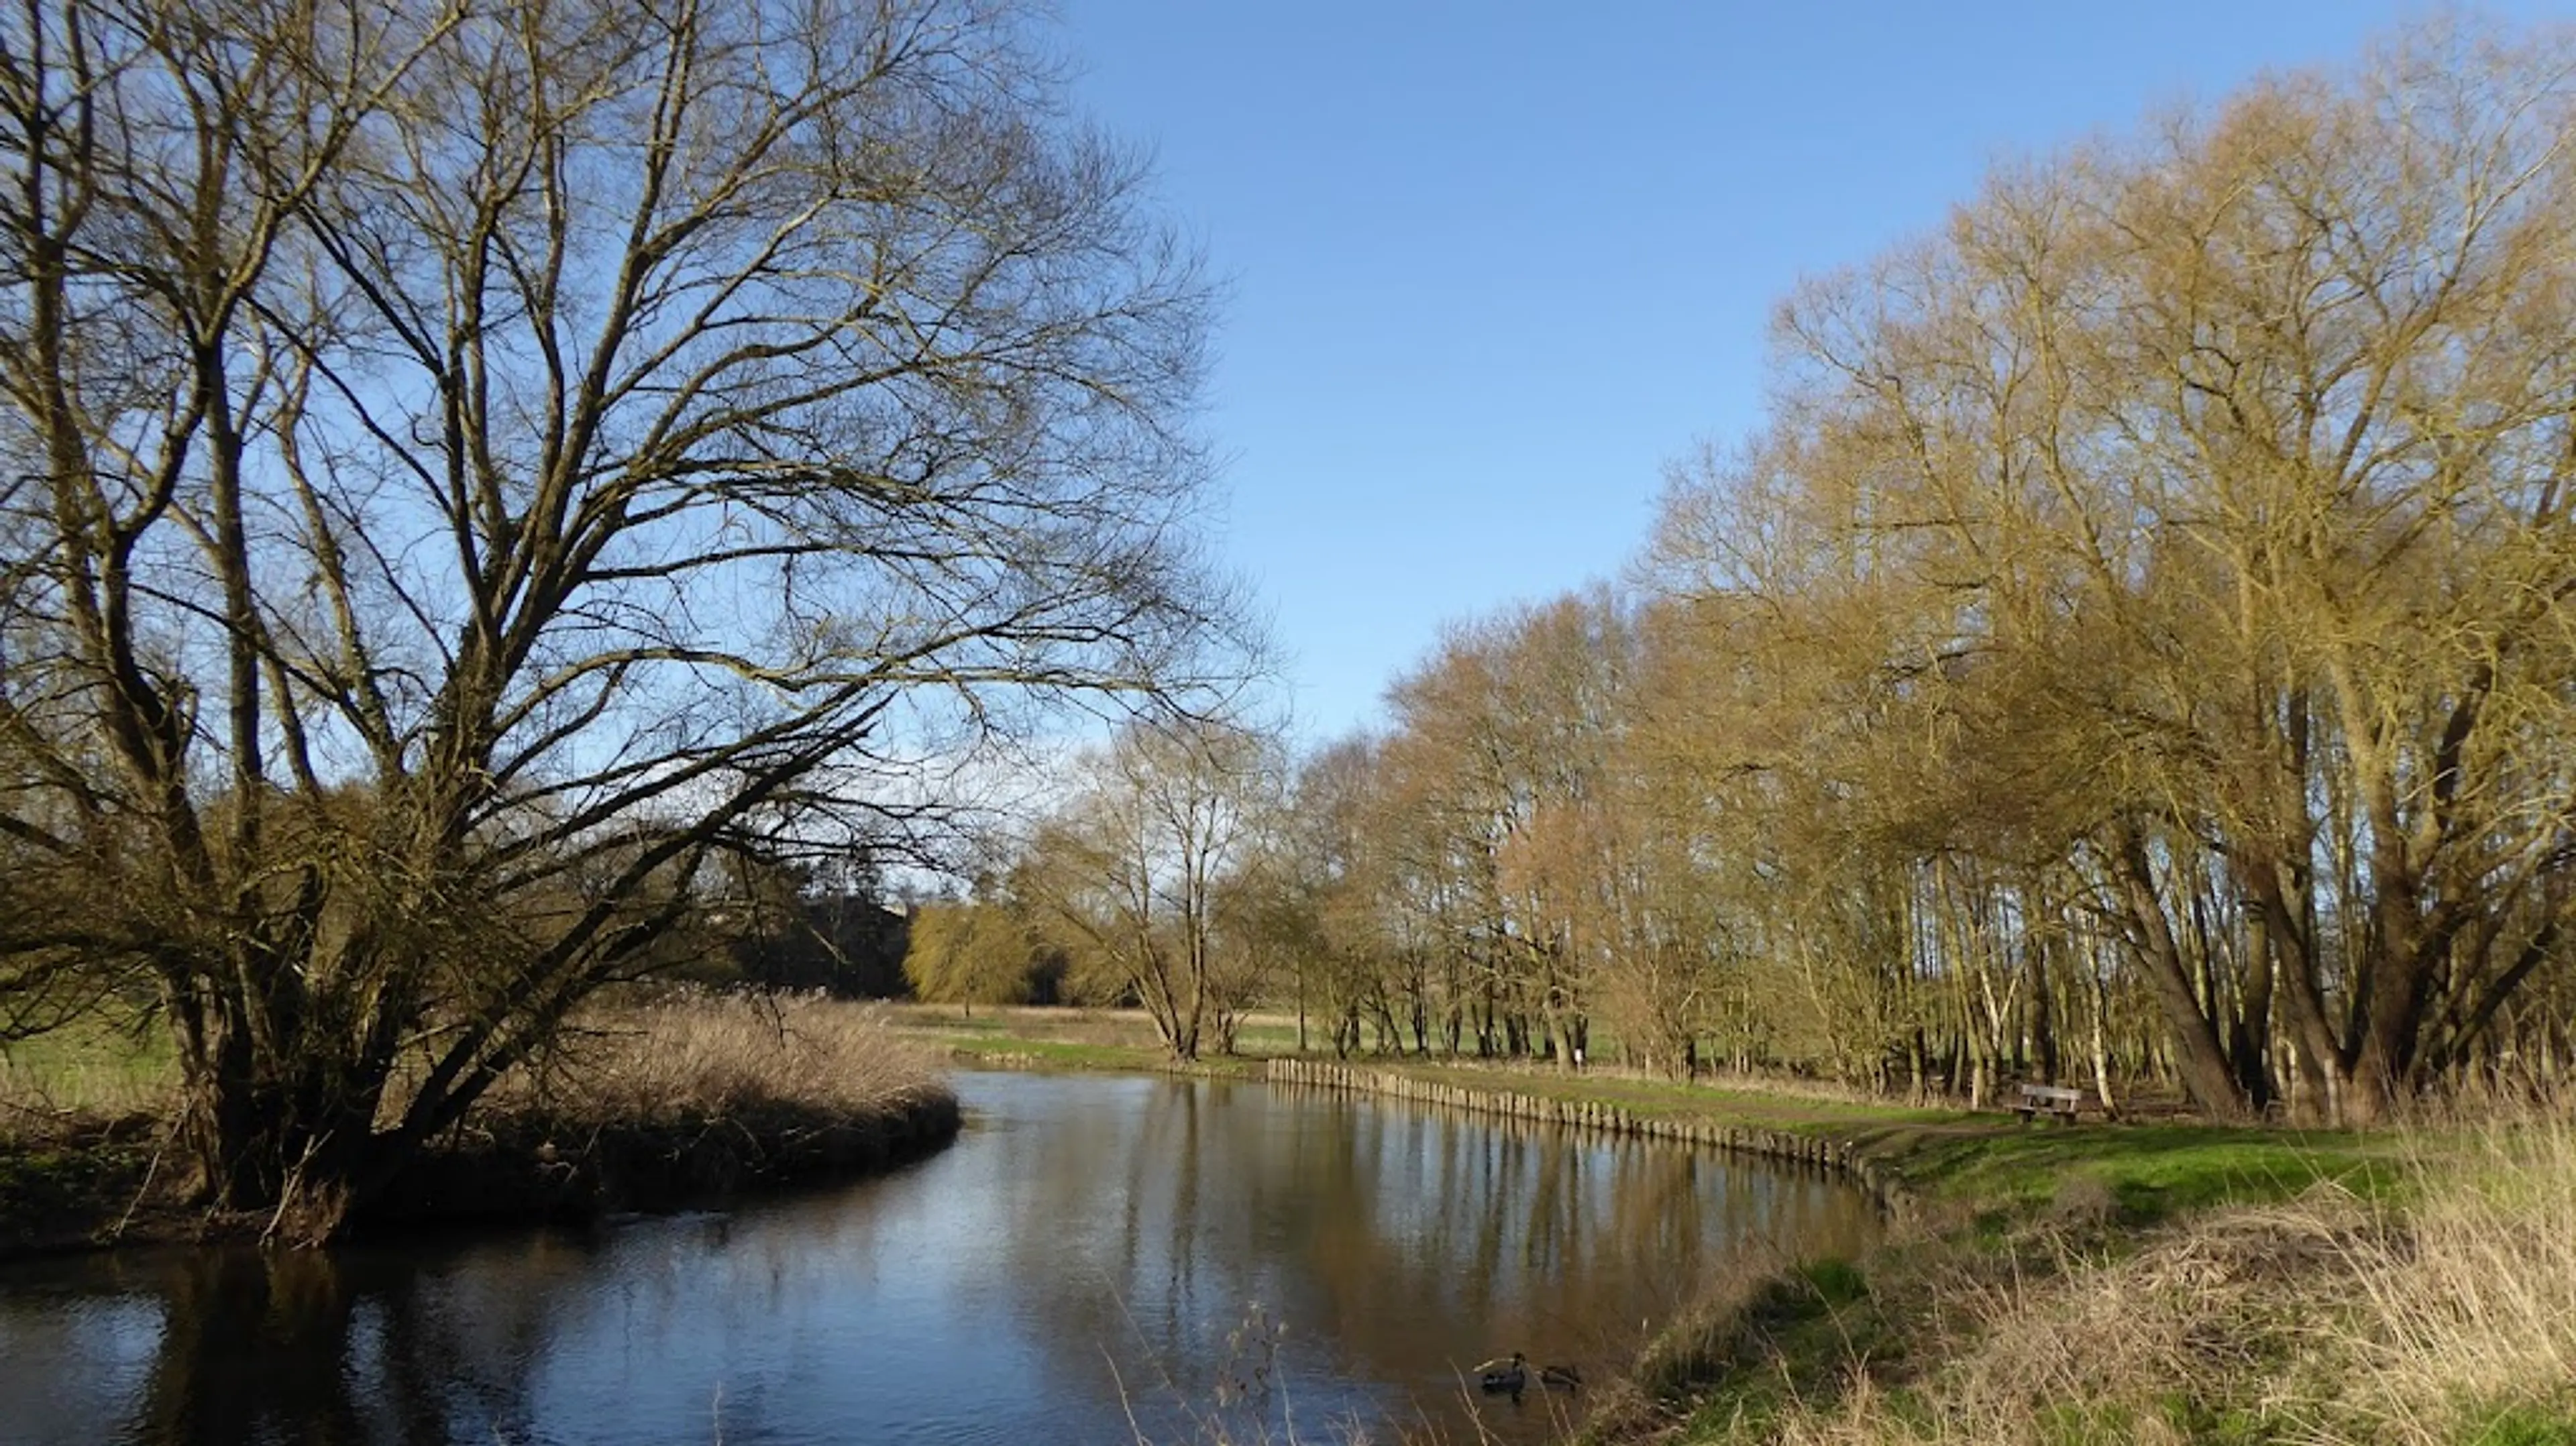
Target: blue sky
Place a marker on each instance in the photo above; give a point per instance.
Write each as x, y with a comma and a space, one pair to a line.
1494, 266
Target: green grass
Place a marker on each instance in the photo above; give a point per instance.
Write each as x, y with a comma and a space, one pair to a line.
2525, 1425
1059, 1053
1267, 1039
987, 1023
2147, 1172
89, 1068
1001, 1051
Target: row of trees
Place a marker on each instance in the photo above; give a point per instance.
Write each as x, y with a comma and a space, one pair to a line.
2140, 643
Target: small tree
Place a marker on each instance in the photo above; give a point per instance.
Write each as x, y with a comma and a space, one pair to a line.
1129, 871
979, 952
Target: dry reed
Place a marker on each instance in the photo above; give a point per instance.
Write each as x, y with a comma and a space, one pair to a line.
2328, 1320
718, 1056
2470, 1308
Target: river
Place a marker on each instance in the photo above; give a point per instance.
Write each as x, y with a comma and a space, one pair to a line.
1099, 1259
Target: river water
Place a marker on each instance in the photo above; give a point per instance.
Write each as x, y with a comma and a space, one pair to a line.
1098, 1259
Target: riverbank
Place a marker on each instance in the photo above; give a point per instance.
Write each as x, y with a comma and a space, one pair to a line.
645, 1107
2159, 1280
2427, 1298
1952, 1167
1818, 1148
2175, 1281
1030, 1037
2047, 1283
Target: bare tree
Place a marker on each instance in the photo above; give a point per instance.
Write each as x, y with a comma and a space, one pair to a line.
475, 467
1131, 869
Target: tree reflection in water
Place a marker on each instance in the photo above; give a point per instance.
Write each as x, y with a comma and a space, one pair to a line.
1093, 1249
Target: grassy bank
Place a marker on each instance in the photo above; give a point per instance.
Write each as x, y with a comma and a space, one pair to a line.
644, 1106
2162, 1281
1018, 1037
1965, 1169
2427, 1296
82, 1118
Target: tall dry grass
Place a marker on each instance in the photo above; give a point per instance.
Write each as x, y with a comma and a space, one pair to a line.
691, 1056
708, 1056
684, 1100
2469, 1307
2445, 1312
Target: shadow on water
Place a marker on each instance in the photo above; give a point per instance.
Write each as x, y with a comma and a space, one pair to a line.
1096, 1259
250, 1350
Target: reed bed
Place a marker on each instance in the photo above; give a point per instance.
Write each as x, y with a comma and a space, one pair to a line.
713, 1056
682, 1100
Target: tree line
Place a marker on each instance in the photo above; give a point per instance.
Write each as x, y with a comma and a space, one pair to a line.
2137, 649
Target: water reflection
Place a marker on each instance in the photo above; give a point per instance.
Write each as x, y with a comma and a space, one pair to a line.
1098, 1258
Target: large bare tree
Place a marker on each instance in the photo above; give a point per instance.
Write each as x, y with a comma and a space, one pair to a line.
471, 466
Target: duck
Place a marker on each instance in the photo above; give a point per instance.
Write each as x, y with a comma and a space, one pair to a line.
1561, 1378
1501, 1377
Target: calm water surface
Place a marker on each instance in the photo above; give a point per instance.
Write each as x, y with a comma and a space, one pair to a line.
1096, 1260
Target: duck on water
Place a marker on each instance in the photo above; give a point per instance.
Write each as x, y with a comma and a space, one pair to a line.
1509, 1376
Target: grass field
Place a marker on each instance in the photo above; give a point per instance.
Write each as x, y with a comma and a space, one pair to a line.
83, 1072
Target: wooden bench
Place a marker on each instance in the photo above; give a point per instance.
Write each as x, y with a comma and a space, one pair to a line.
2039, 1099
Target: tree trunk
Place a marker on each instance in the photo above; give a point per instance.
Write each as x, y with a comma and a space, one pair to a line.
2042, 1031
2101, 992
290, 1139
2200, 1058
